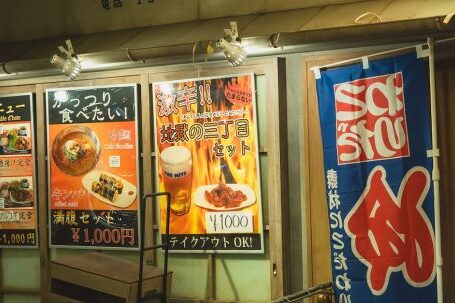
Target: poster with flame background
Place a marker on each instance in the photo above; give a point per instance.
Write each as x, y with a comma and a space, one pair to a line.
207, 158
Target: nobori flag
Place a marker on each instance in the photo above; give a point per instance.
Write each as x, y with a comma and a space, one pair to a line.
376, 133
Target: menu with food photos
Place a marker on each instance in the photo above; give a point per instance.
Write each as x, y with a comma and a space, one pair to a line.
208, 159
18, 207
92, 135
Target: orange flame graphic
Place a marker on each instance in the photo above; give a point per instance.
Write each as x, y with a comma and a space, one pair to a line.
208, 168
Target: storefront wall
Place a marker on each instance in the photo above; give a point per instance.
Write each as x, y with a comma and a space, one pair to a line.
250, 277
224, 277
235, 274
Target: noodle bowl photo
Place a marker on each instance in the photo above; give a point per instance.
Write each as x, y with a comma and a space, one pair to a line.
76, 150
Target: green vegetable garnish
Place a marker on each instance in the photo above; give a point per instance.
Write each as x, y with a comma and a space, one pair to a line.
12, 138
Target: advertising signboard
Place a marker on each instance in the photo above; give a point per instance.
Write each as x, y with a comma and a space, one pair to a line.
93, 162
208, 159
18, 207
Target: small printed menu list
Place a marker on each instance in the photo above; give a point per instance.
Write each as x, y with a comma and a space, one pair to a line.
93, 166
18, 215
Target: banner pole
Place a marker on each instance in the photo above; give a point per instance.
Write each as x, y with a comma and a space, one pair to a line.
435, 174
382, 53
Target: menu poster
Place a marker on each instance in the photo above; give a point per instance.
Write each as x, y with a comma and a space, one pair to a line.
93, 166
207, 158
18, 215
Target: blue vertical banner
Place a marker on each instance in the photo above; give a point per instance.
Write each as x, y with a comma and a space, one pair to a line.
376, 133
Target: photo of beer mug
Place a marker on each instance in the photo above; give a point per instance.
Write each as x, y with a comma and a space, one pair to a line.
176, 164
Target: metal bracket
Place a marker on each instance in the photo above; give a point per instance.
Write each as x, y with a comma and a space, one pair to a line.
433, 153
365, 62
317, 72
421, 52
68, 51
448, 17
231, 34
439, 261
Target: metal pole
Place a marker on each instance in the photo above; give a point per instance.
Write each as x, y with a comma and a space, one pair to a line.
435, 173
391, 51
166, 248
164, 245
359, 59
141, 251
303, 293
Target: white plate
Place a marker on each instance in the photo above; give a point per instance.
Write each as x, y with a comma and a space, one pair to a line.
22, 151
199, 196
123, 200
21, 202
18, 202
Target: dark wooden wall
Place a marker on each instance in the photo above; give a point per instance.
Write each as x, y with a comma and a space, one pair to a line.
445, 97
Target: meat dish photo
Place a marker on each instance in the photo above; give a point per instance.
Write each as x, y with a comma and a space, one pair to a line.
20, 191
16, 192
221, 197
224, 196
15, 140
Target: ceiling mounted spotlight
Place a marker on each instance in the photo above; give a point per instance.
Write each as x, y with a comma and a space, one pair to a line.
234, 53
70, 65
230, 44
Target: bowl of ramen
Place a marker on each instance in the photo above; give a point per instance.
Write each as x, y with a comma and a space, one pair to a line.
76, 150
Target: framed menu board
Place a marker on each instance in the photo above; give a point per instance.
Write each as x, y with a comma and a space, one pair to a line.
93, 162
18, 209
208, 159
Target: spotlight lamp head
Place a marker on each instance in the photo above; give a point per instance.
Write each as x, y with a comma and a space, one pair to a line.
234, 52
70, 65
230, 44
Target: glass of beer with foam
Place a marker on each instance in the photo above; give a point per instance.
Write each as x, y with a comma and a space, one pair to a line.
176, 164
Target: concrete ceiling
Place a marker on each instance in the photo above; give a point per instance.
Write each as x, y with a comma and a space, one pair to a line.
331, 24
35, 19
311, 20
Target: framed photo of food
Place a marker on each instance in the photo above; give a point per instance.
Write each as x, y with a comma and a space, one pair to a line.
93, 161
18, 207
208, 159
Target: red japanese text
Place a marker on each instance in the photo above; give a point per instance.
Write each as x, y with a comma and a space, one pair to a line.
393, 233
370, 119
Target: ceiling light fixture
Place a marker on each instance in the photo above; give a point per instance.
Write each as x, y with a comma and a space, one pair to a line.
70, 65
231, 46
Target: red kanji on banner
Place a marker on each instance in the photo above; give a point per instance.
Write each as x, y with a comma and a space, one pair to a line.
371, 119
392, 233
